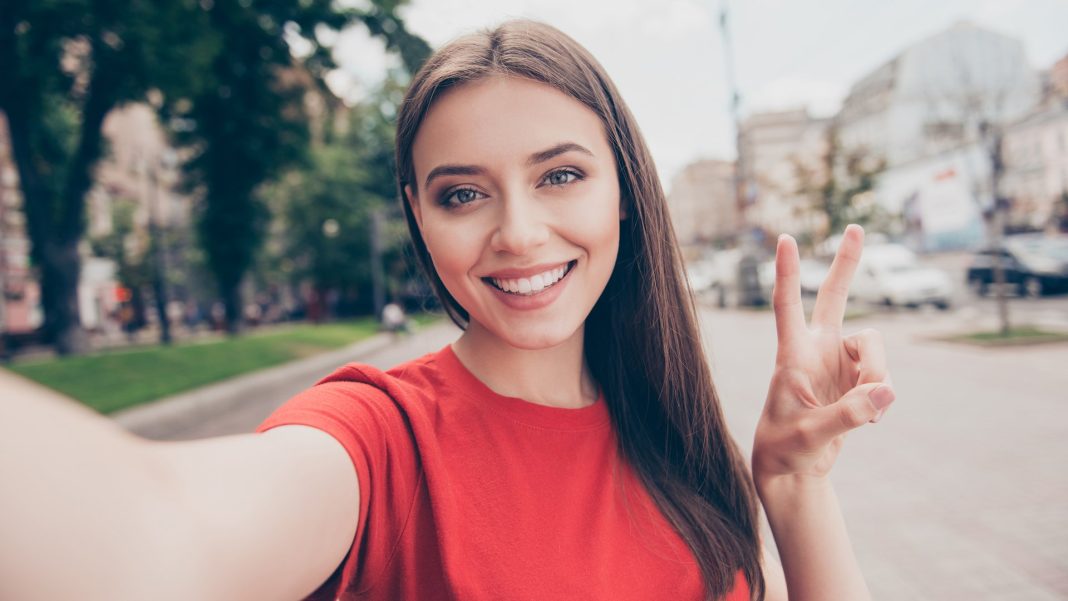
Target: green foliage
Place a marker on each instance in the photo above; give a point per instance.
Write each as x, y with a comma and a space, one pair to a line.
223, 76
324, 208
132, 270
66, 64
841, 187
248, 125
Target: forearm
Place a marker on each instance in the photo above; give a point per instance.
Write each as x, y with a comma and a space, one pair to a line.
811, 536
80, 515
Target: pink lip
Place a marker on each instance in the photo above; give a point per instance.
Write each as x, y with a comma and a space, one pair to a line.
511, 274
532, 301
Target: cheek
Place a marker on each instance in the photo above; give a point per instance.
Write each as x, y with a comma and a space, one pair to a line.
597, 223
453, 254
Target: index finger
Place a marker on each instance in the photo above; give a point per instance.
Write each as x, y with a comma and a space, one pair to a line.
786, 296
834, 291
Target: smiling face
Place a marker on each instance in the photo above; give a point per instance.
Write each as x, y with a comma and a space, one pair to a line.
518, 203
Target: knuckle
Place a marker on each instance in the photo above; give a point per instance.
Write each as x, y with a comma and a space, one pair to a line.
871, 334
806, 434
852, 416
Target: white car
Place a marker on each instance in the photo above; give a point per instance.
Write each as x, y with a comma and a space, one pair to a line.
890, 274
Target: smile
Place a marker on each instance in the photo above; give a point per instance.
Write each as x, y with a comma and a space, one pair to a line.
534, 284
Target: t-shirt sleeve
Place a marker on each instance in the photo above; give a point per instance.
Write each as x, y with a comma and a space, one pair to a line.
376, 433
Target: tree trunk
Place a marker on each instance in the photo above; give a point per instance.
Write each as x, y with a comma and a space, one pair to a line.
59, 298
55, 215
231, 294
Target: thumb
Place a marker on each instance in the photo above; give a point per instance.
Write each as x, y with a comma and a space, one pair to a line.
857, 407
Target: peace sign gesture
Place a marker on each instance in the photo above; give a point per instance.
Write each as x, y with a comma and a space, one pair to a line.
825, 384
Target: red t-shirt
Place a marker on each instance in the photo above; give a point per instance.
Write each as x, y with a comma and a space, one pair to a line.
469, 495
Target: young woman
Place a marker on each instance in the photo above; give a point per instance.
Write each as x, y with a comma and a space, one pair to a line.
569, 445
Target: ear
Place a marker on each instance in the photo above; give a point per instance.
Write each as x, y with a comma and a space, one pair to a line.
413, 203
623, 213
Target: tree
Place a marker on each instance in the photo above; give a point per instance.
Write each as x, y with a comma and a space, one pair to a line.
1060, 214
66, 64
132, 271
326, 210
250, 125
840, 187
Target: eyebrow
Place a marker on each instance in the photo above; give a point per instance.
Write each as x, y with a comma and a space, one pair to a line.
538, 157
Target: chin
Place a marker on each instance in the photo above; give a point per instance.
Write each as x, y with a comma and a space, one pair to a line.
535, 336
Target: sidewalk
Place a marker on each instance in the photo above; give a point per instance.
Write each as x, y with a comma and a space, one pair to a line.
239, 404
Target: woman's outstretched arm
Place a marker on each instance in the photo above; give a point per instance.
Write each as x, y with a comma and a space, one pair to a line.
824, 385
88, 511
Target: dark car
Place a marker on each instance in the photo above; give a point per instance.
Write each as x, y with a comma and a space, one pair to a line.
1034, 265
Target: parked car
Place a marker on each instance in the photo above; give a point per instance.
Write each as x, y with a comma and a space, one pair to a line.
702, 276
1034, 265
812, 273
890, 274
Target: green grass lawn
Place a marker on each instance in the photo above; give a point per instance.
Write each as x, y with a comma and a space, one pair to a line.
1021, 335
114, 380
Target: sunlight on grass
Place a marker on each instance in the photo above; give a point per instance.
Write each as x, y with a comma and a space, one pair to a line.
115, 380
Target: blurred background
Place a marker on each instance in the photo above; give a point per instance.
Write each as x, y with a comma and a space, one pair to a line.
198, 218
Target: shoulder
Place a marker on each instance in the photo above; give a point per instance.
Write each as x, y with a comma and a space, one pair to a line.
362, 400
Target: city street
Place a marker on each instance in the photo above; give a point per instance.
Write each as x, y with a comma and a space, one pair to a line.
957, 494
1050, 311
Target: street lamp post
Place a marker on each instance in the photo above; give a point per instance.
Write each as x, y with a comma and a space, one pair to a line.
159, 261
378, 280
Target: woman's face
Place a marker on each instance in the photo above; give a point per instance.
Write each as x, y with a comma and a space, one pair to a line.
518, 203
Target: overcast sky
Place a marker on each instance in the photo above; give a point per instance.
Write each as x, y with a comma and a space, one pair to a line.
666, 56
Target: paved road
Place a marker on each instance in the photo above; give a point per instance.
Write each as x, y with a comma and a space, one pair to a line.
958, 494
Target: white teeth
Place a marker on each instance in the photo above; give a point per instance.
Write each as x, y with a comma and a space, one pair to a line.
531, 285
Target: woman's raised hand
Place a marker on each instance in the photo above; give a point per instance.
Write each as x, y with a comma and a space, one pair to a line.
825, 384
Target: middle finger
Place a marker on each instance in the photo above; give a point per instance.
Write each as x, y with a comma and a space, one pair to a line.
834, 291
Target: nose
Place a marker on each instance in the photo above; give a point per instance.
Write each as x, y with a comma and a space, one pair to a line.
521, 225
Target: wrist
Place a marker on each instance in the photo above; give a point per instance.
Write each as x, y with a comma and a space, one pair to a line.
790, 486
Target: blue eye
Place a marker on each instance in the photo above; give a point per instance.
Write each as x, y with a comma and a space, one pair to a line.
458, 197
562, 177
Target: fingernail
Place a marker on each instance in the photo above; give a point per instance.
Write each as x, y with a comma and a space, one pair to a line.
881, 397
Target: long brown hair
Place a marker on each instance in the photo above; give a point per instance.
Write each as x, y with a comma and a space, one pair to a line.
656, 378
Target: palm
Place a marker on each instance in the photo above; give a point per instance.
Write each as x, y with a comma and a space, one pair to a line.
815, 368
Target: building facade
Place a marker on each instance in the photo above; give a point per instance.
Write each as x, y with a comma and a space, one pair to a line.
703, 203
1035, 151
937, 94
20, 312
138, 167
777, 147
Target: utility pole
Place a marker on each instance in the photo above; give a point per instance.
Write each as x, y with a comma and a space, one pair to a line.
378, 280
741, 196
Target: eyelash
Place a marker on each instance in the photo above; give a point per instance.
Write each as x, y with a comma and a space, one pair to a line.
446, 201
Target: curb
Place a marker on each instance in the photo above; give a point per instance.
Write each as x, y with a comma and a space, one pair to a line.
202, 403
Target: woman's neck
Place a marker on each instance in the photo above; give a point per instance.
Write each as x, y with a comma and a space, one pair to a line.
555, 376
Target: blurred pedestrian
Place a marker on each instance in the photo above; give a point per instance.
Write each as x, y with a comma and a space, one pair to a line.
394, 320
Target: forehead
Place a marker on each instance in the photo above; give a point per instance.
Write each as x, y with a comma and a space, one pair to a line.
500, 120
